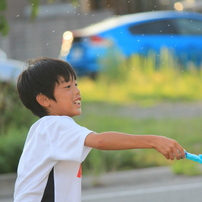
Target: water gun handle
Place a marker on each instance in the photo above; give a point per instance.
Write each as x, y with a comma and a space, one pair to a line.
194, 157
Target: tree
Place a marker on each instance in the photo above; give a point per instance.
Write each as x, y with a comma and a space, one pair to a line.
3, 22
4, 27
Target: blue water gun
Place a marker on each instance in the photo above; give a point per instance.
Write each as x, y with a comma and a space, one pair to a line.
193, 157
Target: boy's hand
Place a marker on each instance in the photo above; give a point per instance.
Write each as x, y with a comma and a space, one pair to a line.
170, 148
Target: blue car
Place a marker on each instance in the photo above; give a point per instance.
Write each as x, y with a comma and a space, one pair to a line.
141, 33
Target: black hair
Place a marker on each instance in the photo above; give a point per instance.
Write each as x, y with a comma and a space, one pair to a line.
41, 76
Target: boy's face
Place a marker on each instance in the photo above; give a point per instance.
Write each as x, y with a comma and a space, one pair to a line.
68, 99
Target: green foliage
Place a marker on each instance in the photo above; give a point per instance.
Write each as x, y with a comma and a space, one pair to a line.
11, 146
139, 80
15, 121
35, 7
3, 5
4, 28
136, 81
186, 167
107, 117
12, 113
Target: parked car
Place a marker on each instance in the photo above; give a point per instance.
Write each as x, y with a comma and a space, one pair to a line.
141, 33
9, 68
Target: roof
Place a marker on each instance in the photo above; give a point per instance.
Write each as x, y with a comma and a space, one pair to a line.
115, 21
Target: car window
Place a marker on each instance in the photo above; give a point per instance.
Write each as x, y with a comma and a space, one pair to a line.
189, 27
154, 27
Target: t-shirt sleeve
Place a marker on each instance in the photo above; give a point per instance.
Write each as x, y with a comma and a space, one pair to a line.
66, 139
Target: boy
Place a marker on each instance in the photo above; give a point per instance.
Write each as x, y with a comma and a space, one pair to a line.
49, 168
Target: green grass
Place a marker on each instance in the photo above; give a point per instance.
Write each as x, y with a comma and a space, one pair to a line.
123, 83
138, 81
106, 117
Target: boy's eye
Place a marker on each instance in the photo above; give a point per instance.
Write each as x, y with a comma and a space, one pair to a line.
68, 86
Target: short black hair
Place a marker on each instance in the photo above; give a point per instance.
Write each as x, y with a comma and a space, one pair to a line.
41, 76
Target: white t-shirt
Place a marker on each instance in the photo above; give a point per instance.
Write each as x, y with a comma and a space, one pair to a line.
54, 143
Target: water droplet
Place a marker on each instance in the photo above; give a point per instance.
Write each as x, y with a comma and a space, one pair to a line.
18, 16
47, 44
53, 31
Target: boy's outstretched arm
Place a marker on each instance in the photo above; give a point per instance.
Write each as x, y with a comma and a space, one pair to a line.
170, 148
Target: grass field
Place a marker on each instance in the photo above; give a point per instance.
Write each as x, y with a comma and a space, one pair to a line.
106, 117
122, 85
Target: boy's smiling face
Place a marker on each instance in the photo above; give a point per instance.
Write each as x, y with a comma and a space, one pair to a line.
67, 99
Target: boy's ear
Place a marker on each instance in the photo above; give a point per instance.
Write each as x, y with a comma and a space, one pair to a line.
42, 100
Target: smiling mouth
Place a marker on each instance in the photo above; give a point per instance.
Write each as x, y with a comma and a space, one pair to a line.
77, 102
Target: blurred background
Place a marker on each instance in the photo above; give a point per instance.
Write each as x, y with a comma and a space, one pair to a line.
129, 82
43, 36
149, 93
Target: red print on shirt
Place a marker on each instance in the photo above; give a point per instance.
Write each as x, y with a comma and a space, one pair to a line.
79, 174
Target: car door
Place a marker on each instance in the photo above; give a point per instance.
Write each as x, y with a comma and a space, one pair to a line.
152, 36
190, 50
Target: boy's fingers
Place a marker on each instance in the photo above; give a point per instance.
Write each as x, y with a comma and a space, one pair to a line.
181, 152
171, 156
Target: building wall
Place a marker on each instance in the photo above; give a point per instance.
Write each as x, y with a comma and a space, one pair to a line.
43, 36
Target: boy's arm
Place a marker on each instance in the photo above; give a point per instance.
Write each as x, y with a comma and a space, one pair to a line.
121, 141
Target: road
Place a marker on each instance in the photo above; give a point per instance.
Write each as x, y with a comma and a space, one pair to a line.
145, 185
181, 192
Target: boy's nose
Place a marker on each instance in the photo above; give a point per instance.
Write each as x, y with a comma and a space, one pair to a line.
77, 91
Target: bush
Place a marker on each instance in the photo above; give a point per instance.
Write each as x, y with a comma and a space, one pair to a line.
135, 81
11, 146
12, 113
139, 80
15, 121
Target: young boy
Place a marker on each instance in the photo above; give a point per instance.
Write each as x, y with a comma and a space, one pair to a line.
50, 166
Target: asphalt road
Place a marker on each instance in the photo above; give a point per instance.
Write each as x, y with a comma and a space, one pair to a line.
142, 185
183, 191
147, 185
